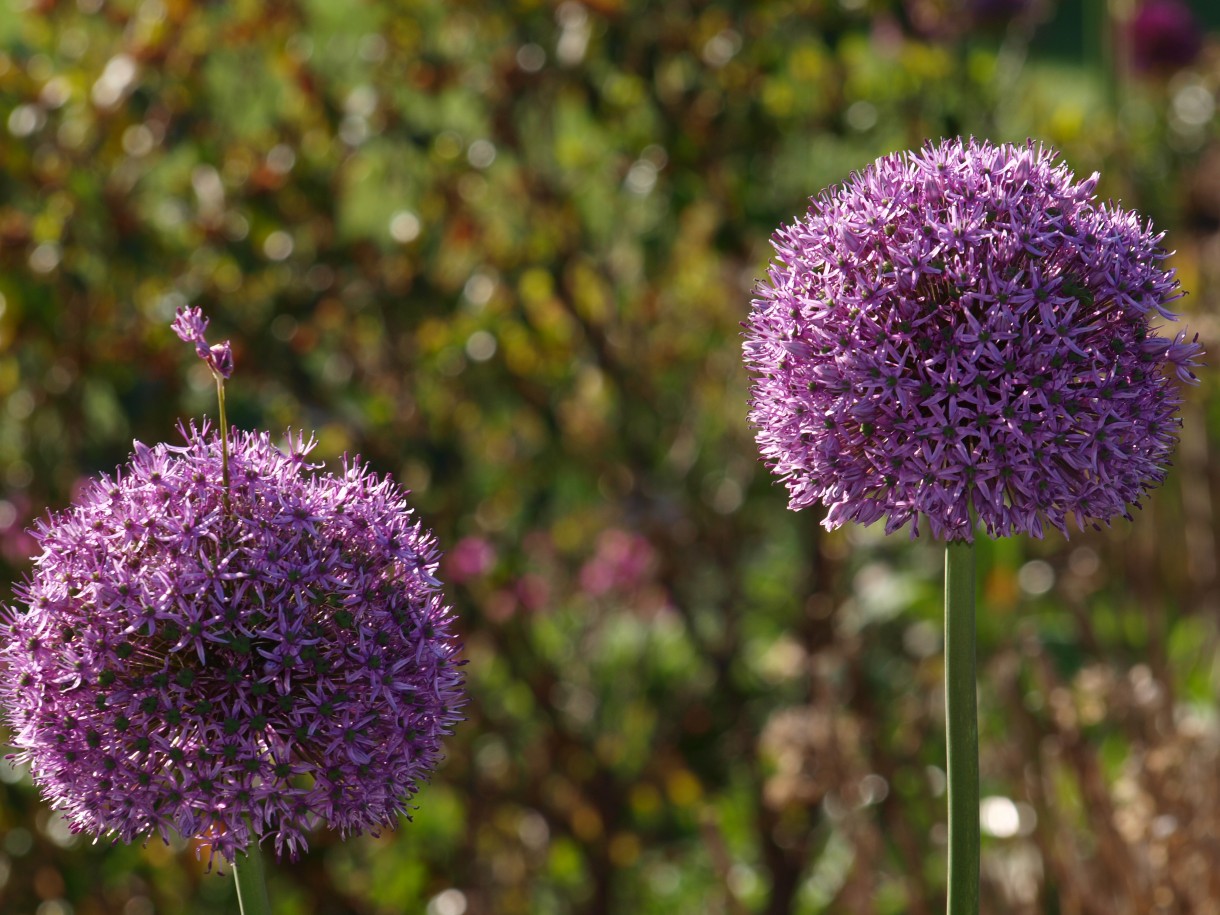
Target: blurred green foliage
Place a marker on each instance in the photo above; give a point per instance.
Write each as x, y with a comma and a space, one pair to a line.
502, 250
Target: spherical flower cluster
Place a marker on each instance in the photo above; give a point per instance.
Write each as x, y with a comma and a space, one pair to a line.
966, 330
231, 664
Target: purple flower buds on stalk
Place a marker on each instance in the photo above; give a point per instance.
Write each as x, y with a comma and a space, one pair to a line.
967, 330
190, 325
230, 659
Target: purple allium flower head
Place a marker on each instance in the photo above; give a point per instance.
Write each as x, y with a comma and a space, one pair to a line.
190, 325
966, 329
1164, 36
231, 670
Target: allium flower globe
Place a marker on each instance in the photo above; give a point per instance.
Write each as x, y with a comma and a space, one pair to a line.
231, 668
967, 330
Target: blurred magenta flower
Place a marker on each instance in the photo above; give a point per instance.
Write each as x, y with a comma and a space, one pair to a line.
1164, 36
966, 330
16, 545
621, 561
470, 558
533, 591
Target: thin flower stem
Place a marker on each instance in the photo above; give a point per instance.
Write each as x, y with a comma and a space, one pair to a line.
961, 730
251, 879
224, 438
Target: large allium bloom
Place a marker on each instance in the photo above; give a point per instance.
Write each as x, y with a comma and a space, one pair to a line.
231, 670
965, 329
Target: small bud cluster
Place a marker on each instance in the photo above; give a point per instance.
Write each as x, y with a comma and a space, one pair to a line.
190, 326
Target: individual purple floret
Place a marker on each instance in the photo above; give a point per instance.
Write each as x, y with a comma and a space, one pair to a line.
965, 330
231, 670
190, 325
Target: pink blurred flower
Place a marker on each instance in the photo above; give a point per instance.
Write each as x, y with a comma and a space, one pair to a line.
533, 591
621, 562
469, 558
17, 546
501, 606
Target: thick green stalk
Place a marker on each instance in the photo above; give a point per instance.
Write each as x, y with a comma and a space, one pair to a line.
251, 879
961, 730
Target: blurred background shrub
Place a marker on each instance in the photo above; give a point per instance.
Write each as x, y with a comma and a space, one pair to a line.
502, 249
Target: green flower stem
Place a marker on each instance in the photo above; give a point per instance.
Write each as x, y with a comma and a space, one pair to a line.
224, 435
251, 879
961, 730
